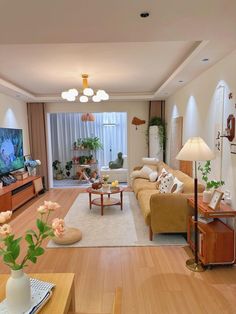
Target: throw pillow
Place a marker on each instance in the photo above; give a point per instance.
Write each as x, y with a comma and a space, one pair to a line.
153, 176
149, 161
177, 186
162, 175
166, 183
146, 171
136, 174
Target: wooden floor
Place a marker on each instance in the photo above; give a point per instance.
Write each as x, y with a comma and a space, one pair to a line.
153, 280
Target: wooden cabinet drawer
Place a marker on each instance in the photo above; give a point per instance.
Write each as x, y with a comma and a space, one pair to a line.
22, 197
5, 202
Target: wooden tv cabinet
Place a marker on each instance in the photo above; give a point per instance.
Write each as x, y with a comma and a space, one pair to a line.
18, 193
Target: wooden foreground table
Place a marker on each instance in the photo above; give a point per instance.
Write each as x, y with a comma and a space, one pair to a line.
63, 295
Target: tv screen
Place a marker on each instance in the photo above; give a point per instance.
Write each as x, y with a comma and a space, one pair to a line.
11, 150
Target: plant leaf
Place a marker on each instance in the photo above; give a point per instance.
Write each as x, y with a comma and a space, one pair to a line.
15, 251
39, 251
40, 225
29, 239
33, 259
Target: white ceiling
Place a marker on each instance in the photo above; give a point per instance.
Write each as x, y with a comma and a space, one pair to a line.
45, 46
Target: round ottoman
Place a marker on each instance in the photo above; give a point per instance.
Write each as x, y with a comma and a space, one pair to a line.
70, 236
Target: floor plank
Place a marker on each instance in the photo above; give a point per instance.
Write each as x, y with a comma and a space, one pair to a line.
153, 280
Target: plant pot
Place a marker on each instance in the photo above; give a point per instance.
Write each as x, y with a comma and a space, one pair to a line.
18, 292
207, 194
59, 176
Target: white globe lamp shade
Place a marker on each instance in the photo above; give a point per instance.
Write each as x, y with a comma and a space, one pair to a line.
83, 98
96, 98
64, 95
70, 97
74, 92
105, 96
88, 91
100, 93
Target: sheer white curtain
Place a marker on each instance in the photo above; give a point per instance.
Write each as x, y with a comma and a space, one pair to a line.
109, 127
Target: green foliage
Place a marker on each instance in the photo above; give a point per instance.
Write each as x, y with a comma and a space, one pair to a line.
91, 143
206, 170
11, 249
68, 165
57, 167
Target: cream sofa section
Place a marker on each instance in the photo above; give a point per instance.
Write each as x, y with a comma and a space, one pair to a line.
13, 114
165, 213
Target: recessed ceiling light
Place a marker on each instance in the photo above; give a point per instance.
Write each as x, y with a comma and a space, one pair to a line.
180, 81
205, 60
144, 15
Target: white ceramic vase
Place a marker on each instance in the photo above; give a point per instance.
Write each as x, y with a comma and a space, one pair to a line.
207, 196
18, 292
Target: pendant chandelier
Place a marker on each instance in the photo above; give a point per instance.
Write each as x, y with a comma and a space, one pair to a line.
86, 94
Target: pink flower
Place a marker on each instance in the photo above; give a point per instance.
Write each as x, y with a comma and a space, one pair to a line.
58, 226
2, 219
51, 205
5, 230
5, 216
42, 209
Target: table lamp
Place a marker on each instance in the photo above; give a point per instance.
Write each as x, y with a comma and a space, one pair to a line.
195, 149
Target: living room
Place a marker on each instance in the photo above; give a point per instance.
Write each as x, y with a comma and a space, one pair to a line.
170, 59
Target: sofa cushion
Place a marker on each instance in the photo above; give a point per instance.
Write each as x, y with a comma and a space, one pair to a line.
166, 183
140, 184
153, 176
177, 186
142, 173
150, 161
188, 182
144, 203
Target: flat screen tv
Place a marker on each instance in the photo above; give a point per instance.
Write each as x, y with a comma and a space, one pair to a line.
11, 150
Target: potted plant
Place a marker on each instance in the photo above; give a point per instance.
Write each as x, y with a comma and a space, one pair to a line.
156, 124
210, 184
68, 167
58, 169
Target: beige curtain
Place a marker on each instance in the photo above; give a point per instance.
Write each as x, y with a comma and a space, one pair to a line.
37, 137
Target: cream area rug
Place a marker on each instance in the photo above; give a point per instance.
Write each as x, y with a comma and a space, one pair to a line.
115, 227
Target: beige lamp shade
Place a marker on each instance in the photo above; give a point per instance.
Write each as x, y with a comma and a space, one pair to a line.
195, 149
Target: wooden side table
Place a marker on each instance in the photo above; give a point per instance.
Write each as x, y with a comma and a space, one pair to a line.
216, 239
63, 296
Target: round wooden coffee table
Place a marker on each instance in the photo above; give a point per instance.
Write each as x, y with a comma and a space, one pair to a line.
105, 198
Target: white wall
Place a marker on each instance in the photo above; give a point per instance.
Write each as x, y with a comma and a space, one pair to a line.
205, 106
137, 147
13, 114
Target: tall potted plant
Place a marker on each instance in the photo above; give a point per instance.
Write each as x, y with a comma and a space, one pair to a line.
210, 184
158, 127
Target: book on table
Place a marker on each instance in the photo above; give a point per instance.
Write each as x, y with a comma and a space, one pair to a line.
41, 292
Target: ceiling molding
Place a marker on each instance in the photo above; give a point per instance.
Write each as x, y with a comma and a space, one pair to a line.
182, 66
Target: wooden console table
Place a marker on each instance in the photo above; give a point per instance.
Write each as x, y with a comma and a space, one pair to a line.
216, 239
19, 192
63, 298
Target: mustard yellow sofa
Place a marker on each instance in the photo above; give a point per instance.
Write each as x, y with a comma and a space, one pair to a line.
169, 212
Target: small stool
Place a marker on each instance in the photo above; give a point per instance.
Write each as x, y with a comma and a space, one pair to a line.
70, 236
